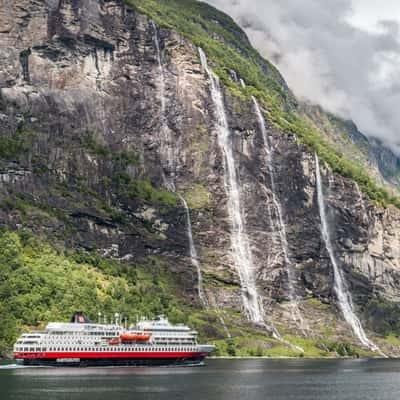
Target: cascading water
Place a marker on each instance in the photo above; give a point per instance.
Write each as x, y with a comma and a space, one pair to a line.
342, 293
219, 312
166, 140
239, 239
167, 149
193, 253
296, 315
161, 68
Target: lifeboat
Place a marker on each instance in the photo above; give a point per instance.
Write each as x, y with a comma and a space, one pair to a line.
113, 342
134, 336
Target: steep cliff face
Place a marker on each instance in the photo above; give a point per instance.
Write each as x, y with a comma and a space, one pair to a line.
382, 164
105, 118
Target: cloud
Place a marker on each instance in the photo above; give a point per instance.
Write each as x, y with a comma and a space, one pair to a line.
328, 60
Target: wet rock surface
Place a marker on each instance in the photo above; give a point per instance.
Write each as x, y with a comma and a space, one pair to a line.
86, 153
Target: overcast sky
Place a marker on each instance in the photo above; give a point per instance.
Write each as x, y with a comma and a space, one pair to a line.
341, 54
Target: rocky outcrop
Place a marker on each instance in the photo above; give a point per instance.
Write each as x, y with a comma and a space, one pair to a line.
86, 152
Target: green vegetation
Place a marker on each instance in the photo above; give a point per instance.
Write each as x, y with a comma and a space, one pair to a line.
140, 189
198, 197
385, 316
211, 29
123, 158
228, 48
253, 345
14, 145
145, 191
39, 284
340, 165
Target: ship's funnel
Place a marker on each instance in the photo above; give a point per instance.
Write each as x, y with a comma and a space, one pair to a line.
79, 318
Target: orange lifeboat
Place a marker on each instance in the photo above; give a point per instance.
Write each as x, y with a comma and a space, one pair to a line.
134, 336
113, 342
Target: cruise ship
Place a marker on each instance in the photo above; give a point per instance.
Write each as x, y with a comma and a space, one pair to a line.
85, 344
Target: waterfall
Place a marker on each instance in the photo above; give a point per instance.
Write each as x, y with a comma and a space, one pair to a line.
193, 253
219, 312
161, 69
296, 315
167, 149
340, 287
166, 140
239, 240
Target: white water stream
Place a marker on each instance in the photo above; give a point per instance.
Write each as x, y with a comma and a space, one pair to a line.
239, 240
166, 151
340, 287
296, 315
193, 253
161, 68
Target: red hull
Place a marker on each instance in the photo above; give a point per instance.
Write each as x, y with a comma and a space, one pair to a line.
107, 355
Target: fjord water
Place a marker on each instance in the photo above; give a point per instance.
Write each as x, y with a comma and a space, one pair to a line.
257, 379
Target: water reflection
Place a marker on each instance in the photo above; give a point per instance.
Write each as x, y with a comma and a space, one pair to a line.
257, 379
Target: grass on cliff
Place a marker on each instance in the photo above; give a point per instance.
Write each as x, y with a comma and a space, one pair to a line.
121, 179
14, 145
228, 49
39, 284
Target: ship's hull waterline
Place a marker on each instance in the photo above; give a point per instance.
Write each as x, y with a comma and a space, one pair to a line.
113, 360
81, 343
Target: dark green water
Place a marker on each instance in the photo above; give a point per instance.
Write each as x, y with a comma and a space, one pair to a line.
220, 379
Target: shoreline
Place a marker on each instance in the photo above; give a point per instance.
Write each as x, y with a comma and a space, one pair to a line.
292, 358
11, 359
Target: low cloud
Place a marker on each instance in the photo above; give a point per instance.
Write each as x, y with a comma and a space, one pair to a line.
327, 60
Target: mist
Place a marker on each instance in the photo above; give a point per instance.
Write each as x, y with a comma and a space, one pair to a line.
331, 58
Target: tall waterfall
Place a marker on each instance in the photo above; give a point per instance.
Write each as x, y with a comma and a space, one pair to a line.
167, 149
166, 140
239, 240
296, 315
161, 68
342, 293
193, 253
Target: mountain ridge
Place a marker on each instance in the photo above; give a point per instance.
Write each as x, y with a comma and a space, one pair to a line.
102, 110
384, 176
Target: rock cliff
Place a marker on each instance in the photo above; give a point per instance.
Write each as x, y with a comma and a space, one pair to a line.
106, 117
